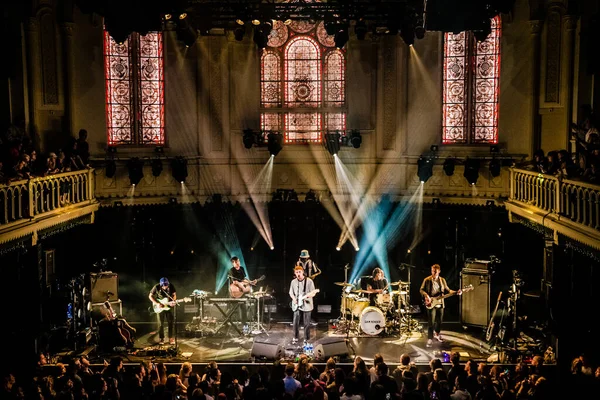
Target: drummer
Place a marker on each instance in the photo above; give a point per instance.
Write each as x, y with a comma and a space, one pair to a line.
377, 285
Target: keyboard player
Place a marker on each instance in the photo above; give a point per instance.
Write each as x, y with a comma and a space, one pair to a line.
238, 284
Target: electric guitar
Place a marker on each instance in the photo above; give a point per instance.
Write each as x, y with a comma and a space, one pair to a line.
238, 288
302, 298
166, 304
437, 300
490, 328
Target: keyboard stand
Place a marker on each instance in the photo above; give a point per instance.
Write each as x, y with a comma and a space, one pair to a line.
228, 314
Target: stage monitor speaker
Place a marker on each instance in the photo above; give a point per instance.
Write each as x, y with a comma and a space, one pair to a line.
270, 351
336, 348
104, 286
475, 305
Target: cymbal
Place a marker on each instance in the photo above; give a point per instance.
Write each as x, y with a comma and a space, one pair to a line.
362, 291
400, 283
343, 284
400, 292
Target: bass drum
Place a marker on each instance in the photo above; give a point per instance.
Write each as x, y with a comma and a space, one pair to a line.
372, 321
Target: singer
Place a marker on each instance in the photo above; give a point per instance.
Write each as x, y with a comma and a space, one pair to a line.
162, 295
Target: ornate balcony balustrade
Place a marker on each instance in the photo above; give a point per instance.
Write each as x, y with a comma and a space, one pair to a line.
568, 207
28, 206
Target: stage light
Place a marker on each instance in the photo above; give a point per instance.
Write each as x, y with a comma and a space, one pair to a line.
110, 169
256, 22
186, 32
278, 196
261, 34
168, 16
357, 248
449, 166
157, 167
311, 196
425, 168
292, 195
239, 33
419, 32
338, 248
472, 170
135, 166
274, 143
272, 248
341, 37
249, 138
408, 251
495, 167
360, 29
179, 169
408, 35
355, 138
183, 16
332, 143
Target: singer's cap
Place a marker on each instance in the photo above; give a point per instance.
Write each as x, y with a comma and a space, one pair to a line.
164, 281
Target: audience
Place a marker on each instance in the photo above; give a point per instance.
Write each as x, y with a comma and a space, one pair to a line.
19, 160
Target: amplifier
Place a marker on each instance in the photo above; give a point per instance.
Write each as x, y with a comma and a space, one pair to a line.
474, 264
104, 286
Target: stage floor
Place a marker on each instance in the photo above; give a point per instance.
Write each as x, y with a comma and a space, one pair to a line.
228, 346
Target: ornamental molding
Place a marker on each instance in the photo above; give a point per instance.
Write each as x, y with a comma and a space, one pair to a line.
32, 227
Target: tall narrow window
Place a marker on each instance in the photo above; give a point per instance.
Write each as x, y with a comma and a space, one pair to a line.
134, 80
303, 83
471, 87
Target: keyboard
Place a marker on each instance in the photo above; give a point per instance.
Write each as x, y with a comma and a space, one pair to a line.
227, 300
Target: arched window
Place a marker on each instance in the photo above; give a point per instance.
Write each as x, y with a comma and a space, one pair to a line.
471, 87
134, 79
303, 83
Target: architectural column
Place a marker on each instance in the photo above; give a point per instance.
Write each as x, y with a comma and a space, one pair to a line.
570, 23
69, 76
535, 26
34, 84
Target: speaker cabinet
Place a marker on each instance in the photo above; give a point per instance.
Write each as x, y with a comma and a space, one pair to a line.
475, 304
270, 351
104, 286
336, 348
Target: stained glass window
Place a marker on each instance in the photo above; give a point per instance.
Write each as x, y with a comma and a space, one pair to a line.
134, 81
471, 83
303, 83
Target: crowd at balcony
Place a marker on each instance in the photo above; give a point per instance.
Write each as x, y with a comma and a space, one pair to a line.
19, 159
584, 164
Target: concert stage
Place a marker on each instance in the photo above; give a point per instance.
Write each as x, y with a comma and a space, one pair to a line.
275, 342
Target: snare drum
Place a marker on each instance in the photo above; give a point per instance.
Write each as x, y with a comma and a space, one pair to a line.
360, 304
384, 301
372, 321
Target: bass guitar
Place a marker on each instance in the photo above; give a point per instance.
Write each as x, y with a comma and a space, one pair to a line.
437, 300
166, 304
490, 328
302, 298
239, 288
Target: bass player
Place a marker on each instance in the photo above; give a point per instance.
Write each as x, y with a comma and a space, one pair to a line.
163, 295
433, 286
239, 286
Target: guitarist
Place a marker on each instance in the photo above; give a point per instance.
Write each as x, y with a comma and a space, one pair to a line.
310, 270
161, 291
304, 287
239, 283
432, 286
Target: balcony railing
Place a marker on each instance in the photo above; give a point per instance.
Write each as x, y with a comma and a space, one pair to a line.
570, 201
35, 197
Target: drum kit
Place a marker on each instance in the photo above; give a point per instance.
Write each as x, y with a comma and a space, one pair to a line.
391, 314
